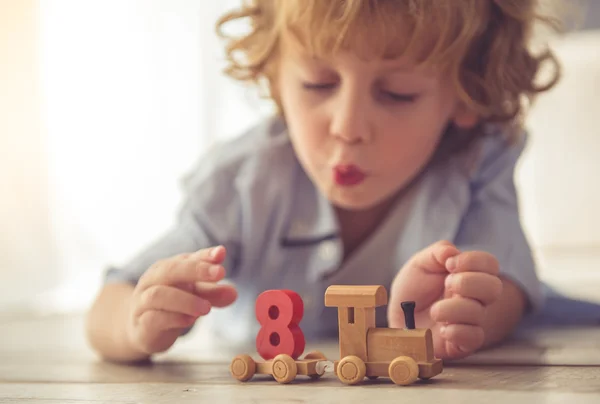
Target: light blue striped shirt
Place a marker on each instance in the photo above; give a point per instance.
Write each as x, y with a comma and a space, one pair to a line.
251, 195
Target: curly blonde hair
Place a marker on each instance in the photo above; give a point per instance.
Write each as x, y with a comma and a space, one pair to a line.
484, 46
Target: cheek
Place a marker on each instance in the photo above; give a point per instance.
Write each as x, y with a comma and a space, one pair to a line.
411, 143
306, 123
300, 109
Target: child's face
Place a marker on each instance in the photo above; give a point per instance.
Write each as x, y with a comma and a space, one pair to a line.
379, 116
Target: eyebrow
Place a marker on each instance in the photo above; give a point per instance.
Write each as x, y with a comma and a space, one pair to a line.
393, 66
398, 70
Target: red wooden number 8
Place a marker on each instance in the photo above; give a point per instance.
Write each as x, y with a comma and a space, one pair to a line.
279, 312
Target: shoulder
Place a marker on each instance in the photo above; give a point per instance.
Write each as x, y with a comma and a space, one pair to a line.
495, 155
251, 157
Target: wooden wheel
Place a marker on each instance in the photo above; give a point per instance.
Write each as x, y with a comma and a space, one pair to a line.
403, 370
351, 370
284, 368
242, 367
315, 355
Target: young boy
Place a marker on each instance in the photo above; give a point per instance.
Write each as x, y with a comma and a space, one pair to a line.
390, 162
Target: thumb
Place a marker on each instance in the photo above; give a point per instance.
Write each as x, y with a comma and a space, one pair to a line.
422, 278
432, 259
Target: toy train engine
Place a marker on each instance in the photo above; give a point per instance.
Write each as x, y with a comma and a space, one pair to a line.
404, 355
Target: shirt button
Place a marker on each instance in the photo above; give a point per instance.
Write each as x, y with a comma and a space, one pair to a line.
327, 250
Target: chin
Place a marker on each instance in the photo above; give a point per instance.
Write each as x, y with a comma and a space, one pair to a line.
354, 202
361, 197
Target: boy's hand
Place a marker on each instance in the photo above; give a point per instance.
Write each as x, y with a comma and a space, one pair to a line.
172, 294
451, 290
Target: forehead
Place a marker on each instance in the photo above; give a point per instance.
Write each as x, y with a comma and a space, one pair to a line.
295, 51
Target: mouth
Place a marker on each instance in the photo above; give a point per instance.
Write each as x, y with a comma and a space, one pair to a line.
348, 175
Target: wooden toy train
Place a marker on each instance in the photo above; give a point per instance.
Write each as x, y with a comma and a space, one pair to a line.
403, 355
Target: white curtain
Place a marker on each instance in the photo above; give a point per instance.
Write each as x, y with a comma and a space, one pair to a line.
27, 251
558, 175
132, 95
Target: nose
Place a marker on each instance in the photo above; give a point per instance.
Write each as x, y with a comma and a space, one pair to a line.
349, 118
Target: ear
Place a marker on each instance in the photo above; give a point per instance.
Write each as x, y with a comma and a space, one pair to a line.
464, 117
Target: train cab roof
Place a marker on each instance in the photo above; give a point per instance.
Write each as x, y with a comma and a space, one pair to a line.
360, 296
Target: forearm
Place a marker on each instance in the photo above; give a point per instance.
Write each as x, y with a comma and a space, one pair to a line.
106, 325
503, 315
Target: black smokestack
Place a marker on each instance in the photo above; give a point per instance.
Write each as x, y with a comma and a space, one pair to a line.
409, 314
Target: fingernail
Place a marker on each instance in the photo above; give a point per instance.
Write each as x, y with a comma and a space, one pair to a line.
213, 271
443, 331
463, 349
448, 282
451, 263
214, 252
204, 306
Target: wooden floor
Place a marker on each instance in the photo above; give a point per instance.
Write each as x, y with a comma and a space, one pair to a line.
46, 360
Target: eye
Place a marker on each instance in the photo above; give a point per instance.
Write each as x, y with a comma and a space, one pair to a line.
318, 86
408, 98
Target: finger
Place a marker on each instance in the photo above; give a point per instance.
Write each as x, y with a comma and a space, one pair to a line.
176, 271
153, 321
420, 280
168, 298
457, 310
219, 295
433, 258
482, 287
151, 342
464, 338
473, 261
215, 255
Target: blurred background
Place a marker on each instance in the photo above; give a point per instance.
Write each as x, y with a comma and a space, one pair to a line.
105, 105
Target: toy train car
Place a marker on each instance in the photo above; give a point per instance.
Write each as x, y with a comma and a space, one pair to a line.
283, 368
280, 341
404, 355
